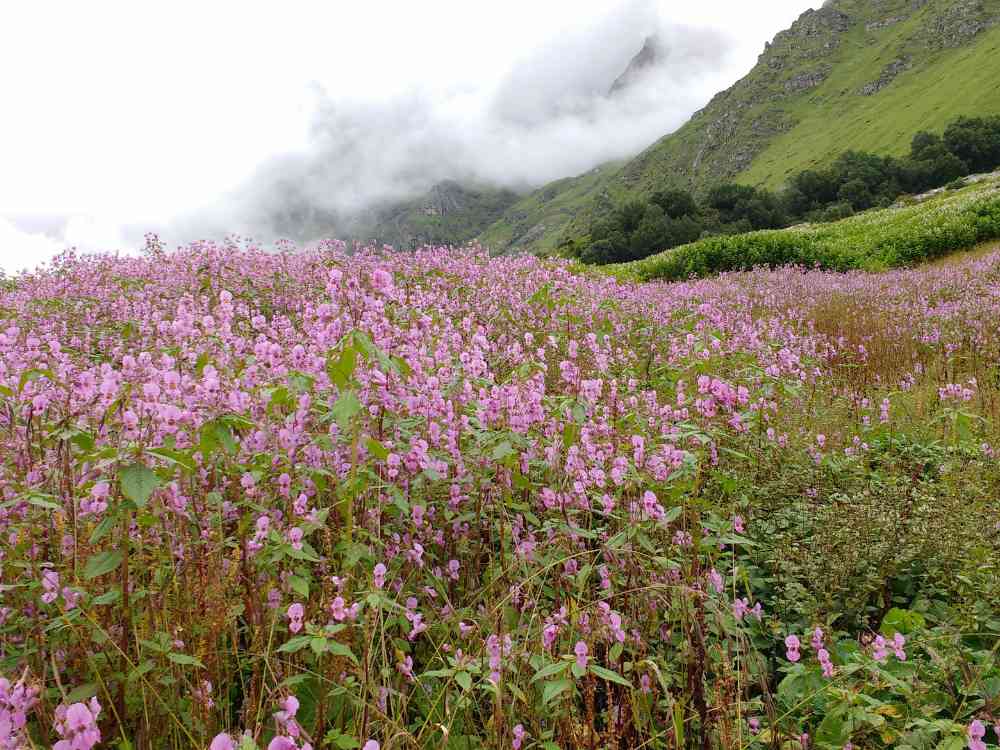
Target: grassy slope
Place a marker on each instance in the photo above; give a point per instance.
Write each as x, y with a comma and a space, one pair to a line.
450, 213
875, 240
758, 132
539, 219
964, 81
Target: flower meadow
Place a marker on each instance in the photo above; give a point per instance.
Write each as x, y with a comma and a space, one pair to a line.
326, 500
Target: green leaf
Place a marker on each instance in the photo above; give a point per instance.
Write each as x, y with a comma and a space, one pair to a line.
554, 688
551, 669
339, 649
82, 692
464, 679
83, 440
834, 730
343, 741
102, 563
502, 451
138, 483
903, 621
139, 671
214, 434
609, 675
201, 363
571, 433
180, 458
341, 368
101, 530
184, 659
295, 644
40, 501
108, 597
345, 408
300, 585
616, 652
376, 449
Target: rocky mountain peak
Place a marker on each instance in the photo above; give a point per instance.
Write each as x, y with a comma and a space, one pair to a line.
651, 55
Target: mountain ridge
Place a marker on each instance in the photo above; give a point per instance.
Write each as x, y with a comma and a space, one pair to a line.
847, 75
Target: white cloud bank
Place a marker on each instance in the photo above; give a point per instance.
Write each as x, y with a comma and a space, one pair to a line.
202, 118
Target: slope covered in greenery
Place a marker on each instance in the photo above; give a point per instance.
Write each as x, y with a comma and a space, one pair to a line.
450, 213
852, 75
903, 235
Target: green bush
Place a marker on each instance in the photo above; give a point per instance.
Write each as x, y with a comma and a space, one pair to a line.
873, 240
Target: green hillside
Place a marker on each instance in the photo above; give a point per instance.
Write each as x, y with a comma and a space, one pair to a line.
450, 213
854, 74
918, 229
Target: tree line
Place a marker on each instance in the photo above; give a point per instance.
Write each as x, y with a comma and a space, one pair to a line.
855, 181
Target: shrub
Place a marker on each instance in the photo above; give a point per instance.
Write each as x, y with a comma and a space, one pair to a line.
875, 240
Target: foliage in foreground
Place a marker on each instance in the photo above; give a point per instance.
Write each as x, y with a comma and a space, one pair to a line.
876, 240
439, 500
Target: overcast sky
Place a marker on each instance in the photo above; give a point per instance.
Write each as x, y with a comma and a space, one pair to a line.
132, 115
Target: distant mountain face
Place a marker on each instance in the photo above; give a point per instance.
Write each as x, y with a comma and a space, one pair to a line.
451, 212
862, 74
646, 59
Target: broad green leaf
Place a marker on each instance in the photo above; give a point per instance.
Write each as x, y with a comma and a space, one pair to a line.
339, 649
340, 368
82, 692
181, 458
42, 501
35, 374
345, 408
554, 688
903, 621
551, 669
502, 451
300, 585
343, 741
376, 449
295, 644
108, 597
835, 729
102, 563
464, 679
138, 483
101, 530
140, 670
184, 659
609, 675
201, 363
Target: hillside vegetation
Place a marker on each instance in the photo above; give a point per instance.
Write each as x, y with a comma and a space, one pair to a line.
852, 75
919, 230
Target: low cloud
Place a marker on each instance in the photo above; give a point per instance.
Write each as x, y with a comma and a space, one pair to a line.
549, 117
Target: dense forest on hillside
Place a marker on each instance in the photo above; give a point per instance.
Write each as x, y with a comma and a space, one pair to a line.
855, 181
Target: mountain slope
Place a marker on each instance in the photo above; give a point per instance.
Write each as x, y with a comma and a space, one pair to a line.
450, 213
862, 74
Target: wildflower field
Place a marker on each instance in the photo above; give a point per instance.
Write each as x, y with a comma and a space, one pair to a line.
439, 500
874, 240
